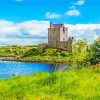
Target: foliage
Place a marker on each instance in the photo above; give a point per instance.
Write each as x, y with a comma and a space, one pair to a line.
33, 51
81, 84
52, 52
80, 54
80, 46
14, 50
94, 52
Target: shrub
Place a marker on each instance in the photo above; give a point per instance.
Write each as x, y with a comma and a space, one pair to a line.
94, 52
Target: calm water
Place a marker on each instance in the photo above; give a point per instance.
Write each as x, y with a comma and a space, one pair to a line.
8, 69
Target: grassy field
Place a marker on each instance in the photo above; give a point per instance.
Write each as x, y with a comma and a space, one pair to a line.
73, 84
15, 50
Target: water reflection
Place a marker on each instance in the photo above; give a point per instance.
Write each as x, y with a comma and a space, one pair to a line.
55, 67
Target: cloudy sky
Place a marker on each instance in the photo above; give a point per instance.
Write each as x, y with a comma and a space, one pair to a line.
25, 22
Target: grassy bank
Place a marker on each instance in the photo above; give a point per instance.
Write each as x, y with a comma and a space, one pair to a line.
15, 50
36, 54
74, 84
49, 55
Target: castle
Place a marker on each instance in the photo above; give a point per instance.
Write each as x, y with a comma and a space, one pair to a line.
58, 37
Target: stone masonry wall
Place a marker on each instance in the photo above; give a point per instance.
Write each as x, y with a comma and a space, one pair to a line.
63, 34
53, 37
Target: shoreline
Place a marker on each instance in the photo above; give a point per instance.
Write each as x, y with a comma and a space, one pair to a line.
49, 61
41, 60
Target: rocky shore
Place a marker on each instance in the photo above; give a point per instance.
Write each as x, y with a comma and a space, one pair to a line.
49, 60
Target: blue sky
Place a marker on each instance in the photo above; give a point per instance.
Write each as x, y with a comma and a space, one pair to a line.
22, 10
28, 20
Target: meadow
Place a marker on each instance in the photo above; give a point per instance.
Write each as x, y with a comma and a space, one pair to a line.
73, 84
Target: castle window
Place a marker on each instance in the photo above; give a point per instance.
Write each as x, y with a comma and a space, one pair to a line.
63, 39
64, 31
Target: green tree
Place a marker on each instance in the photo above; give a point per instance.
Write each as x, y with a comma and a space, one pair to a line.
95, 52
79, 54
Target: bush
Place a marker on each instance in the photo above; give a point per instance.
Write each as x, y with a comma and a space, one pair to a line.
94, 53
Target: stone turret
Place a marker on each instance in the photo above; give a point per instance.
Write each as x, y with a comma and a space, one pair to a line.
58, 37
57, 33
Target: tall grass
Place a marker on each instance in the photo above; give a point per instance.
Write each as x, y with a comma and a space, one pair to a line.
82, 84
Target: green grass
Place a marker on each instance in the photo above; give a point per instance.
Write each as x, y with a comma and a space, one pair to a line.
73, 84
15, 50
51, 52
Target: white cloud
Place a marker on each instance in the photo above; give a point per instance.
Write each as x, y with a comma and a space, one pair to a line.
79, 2
35, 32
52, 15
28, 32
89, 31
73, 12
5, 23
18, 41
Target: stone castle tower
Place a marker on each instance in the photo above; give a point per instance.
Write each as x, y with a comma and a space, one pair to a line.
58, 37
57, 33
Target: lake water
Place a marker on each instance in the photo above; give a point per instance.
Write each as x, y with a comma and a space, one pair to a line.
8, 69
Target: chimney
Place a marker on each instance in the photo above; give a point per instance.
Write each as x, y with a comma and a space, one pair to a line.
51, 25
